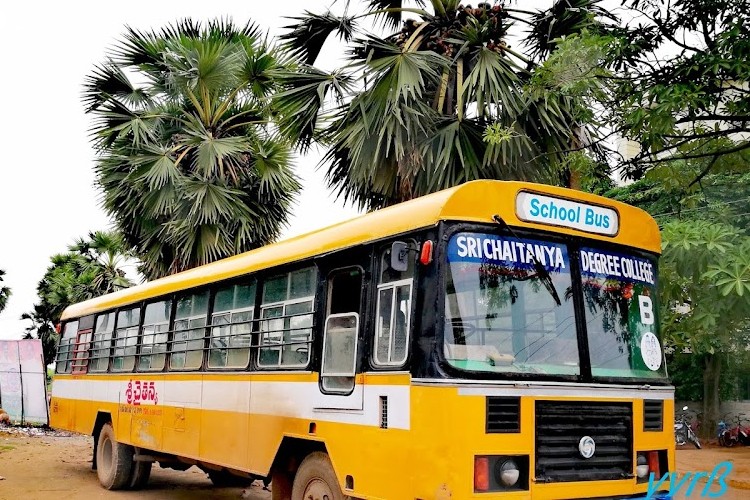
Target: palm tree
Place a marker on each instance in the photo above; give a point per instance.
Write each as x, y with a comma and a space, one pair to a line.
91, 267
4, 292
190, 163
42, 328
107, 253
430, 91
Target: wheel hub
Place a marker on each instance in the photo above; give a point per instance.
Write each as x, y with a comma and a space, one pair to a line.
317, 489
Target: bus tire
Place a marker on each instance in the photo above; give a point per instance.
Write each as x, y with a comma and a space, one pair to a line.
114, 461
316, 479
140, 475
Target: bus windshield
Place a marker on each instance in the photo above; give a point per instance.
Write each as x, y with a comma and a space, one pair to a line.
509, 308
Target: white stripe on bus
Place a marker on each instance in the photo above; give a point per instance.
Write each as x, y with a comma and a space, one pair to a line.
284, 399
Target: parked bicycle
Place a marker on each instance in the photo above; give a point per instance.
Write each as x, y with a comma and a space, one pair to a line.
683, 431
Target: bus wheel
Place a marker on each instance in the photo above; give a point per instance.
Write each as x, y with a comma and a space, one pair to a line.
316, 480
140, 474
114, 461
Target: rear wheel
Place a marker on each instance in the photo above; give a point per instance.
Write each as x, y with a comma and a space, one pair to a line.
316, 480
140, 474
114, 461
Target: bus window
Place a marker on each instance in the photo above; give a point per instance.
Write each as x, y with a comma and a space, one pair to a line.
339, 364
126, 339
504, 314
619, 291
340, 353
189, 330
105, 325
82, 345
231, 326
154, 336
65, 347
287, 310
393, 316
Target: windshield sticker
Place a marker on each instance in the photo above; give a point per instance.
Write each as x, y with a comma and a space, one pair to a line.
507, 251
651, 351
616, 265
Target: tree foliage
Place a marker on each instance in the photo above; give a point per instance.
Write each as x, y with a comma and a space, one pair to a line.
684, 80
91, 267
673, 78
445, 98
704, 271
5, 292
190, 164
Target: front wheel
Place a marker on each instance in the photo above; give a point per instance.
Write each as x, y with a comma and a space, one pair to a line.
694, 439
723, 440
114, 461
316, 480
140, 474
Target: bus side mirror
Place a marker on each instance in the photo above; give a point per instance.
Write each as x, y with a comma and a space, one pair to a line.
399, 256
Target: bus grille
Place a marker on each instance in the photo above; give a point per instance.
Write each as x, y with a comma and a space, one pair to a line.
560, 425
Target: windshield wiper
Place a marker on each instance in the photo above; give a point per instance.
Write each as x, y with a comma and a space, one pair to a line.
541, 271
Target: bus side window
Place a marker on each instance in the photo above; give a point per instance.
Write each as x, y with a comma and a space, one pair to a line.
287, 314
102, 346
231, 326
393, 316
189, 330
126, 339
65, 347
154, 333
82, 345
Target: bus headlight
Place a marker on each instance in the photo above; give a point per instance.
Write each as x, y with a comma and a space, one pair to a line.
641, 467
501, 473
507, 473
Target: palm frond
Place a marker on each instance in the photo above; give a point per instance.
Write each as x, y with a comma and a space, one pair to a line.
493, 83
108, 82
307, 36
563, 18
305, 91
390, 11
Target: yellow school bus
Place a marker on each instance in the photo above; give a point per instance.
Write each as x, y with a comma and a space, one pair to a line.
494, 340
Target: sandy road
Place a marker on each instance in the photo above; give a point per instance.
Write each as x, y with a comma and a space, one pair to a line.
56, 468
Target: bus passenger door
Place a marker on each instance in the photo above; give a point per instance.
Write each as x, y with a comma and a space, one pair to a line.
338, 386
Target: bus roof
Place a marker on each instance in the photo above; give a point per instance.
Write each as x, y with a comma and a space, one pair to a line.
475, 201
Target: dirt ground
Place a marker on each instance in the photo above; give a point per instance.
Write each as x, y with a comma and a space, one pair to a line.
59, 467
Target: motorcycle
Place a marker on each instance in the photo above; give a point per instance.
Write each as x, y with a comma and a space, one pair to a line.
683, 432
724, 433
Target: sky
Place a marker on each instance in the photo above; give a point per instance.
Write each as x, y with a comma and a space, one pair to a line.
47, 194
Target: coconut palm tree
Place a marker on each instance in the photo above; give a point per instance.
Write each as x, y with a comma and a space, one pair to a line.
428, 93
4, 292
189, 161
